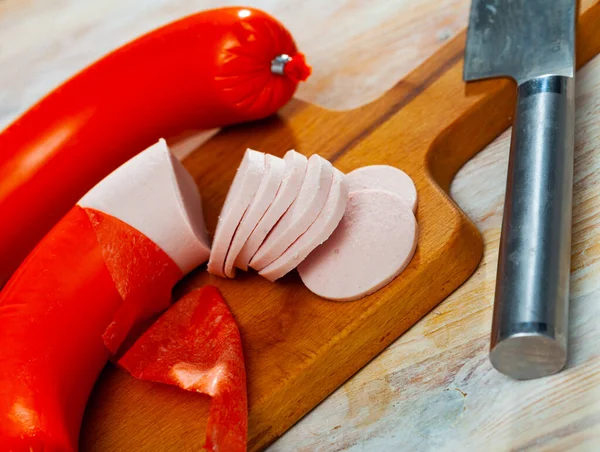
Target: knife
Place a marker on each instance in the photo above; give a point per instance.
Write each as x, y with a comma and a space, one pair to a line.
532, 42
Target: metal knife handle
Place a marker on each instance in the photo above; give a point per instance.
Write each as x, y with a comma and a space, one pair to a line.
529, 331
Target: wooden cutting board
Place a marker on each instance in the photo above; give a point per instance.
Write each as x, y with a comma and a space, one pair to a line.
300, 348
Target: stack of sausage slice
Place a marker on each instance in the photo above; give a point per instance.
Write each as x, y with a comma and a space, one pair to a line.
348, 235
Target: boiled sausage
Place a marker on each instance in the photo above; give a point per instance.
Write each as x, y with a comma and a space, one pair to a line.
274, 172
373, 243
207, 70
156, 178
316, 234
240, 195
108, 266
303, 211
384, 177
295, 170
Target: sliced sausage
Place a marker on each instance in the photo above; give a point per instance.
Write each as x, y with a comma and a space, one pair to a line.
316, 234
274, 171
373, 243
295, 170
303, 211
384, 177
242, 191
156, 178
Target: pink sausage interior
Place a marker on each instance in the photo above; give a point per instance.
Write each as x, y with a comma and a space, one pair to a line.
274, 172
156, 178
317, 233
384, 177
303, 211
295, 170
373, 243
240, 195
348, 235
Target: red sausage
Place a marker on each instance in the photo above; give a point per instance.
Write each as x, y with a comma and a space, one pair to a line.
59, 315
96, 275
207, 70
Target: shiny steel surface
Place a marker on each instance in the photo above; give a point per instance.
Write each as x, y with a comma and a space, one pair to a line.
533, 42
532, 286
522, 39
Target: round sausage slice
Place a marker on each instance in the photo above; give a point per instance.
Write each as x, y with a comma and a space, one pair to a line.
301, 214
242, 191
317, 233
274, 171
384, 177
295, 170
373, 243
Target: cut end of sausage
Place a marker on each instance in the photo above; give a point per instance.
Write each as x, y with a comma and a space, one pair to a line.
154, 193
384, 177
241, 193
274, 172
301, 214
316, 234
373, 244
295, 170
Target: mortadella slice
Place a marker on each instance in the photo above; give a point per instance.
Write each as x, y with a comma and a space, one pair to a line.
316, 234
384, 177
295, 170
373, 244
243, 188
175, 222
301, 214
274, 172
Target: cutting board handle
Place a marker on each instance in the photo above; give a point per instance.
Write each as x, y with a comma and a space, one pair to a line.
454, 120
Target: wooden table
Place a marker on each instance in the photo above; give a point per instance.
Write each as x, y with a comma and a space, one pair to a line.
434, 388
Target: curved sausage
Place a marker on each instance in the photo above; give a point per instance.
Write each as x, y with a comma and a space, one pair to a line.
206, 70
295, 170
53, 314
316, 234
373, 243
73, 301
303, 211
274, 172
156, 178
241, 193
384, 177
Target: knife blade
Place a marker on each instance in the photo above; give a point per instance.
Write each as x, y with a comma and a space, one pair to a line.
521, 39
532, 42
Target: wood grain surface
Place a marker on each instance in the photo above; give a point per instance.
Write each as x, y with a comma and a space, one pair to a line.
405, 396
